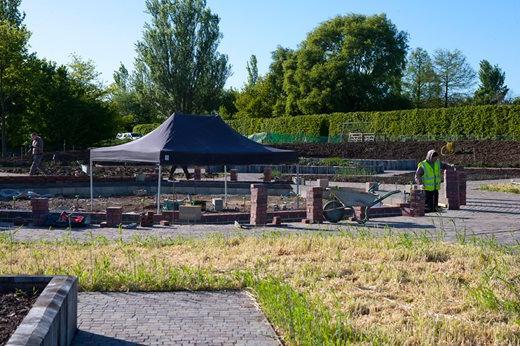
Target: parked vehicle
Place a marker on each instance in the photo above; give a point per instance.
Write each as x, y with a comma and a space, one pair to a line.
128, 135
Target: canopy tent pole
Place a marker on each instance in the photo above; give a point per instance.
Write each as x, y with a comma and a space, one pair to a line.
91, 186
159, 189
297, 186
225, 185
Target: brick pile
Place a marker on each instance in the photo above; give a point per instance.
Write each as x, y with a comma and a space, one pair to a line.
40, 210
258, 204
462, 185
268, 174
314, 202
417, 202
114, 216
360, 212
197, 173
451, 189
233, 175
147, 219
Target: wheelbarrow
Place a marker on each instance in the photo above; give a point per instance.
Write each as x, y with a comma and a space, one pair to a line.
344, 199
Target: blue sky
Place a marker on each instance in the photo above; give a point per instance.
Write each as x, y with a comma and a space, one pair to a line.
106, 30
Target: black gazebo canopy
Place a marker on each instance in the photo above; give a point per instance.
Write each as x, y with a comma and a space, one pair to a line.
194, 140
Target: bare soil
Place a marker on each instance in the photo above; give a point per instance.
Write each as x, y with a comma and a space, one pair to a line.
13, 308
140, 204
484, 153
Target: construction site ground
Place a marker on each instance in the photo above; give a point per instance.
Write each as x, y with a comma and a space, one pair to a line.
487, 215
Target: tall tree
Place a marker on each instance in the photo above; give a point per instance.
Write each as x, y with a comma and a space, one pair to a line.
420, 81
454, 72
13, 52
348, 63
10, 11
252, 70
492, 88
178, 56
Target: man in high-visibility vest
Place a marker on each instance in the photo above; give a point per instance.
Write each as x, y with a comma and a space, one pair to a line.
428, 175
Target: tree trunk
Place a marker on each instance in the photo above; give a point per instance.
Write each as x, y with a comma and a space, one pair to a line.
446, 95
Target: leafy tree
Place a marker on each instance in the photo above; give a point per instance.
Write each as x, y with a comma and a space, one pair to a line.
348, 63
420, 82
252, 70
131, 98
455, 74
177, 60
228, 108
13, 52
492, 89
266, 97
84, 72
10, 11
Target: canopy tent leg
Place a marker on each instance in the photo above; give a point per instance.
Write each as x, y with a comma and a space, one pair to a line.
225, 185
297, 186
159, 189
91, 187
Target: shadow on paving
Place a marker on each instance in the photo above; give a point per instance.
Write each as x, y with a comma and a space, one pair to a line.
86, 338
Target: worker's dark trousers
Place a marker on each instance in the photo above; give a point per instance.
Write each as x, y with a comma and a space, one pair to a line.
432, 201
38, 165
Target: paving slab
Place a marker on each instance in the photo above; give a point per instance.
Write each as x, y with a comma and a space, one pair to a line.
172, 318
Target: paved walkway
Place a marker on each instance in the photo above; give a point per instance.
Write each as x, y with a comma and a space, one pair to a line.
172, 318
486, 213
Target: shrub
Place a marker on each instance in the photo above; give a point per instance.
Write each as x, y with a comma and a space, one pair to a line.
144, 129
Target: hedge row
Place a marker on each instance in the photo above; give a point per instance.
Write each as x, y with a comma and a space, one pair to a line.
482, 122
477, 122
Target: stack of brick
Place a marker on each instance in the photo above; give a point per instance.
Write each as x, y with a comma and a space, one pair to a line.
233, 175
268, 174
258, 204
147, 219
462, 185
417, 202
314, 200
197, 173
451, 188
40, 210
114, 216
359, 213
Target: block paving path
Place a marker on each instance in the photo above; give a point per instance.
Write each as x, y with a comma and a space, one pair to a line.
172, 318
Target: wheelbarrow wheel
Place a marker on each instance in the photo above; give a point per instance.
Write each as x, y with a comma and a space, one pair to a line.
333, 211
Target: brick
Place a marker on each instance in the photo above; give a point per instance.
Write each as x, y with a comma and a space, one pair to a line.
268, 172
164, 223
233, 175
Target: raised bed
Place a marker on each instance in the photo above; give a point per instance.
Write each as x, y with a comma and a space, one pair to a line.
52, 320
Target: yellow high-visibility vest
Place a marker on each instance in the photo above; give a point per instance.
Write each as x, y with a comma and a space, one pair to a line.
431, 178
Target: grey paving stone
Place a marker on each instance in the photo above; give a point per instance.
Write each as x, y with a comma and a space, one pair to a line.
171, 318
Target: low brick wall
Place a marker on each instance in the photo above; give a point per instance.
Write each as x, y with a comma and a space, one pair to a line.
53, 318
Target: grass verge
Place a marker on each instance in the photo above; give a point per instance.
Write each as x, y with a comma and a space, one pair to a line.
511, 188
314, 289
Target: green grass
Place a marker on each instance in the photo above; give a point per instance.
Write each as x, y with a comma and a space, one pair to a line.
511, 188
314, 289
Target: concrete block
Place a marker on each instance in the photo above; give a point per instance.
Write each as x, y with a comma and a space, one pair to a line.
218, 204
190, 213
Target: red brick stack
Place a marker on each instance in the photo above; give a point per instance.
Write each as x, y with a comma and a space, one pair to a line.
417, 202
114, 216
40, 210
268, 174
314, 201
168, 215
258, 204
462, 185
147, 219
451, 188
233, 175
197, 173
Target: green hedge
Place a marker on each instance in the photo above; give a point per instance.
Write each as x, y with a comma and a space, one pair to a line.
143, 129
478, 122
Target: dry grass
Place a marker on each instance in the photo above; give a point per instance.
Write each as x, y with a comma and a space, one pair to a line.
399, 289
511, 188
